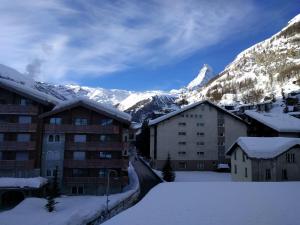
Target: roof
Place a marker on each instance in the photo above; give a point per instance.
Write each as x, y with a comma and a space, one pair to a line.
278, 121
93, 105
191, 106
264, 147
29, 92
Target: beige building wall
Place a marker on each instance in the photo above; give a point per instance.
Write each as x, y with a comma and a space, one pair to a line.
198, 148
241, 166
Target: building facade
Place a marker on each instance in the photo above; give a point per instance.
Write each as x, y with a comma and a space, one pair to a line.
196, 137
20, 132
265, 159
84, 142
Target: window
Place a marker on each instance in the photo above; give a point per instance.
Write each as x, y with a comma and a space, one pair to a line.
55, 120
77, 190
181, 123
200, 116
246, 172
200, 153
202, 107
200, 165
49, 173
25, 119
181, 133
235, 155
182, 115
80, 121
1, 137
182, 143
200, 124
181, 153
105, 155
200, 133
24, 101
0, 155
244, 157
79, 138
23, 137
79, 172
268, 174
284, 174
200, 143
290, 157
22, 156
192, 115
52, 155
186, 115
50, 138
182, 165
102, 172
57, 138
79, 155
221, 134
106, 122
235, 169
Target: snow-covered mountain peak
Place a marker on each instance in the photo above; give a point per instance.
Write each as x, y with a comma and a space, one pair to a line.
204, 75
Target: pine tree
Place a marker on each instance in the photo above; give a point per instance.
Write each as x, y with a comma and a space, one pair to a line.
52, 193
168, 173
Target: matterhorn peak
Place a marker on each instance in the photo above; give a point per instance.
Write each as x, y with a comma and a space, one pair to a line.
204, 75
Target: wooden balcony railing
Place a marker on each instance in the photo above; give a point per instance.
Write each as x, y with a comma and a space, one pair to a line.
19, 109
96, 163
94, 146
17, 146
17, 127
16, 164
95, 180
69, 128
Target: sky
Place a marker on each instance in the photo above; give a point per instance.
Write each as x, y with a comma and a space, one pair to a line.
132, 44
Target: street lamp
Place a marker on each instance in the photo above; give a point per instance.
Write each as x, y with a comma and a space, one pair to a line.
107, 187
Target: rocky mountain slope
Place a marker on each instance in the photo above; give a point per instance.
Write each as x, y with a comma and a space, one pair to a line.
258, 73
203, 77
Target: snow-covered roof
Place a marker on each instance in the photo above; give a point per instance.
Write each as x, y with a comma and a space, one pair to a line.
278, 121
174, 113
110, 110
12, 182
264, 147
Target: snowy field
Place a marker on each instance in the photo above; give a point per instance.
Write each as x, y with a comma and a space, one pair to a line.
216, 203
70, 210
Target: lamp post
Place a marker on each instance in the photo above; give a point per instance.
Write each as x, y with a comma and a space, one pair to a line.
107, 188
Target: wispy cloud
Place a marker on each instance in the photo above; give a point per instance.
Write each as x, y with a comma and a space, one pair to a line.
53, 39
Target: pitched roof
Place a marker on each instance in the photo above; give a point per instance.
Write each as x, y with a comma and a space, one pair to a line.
264, 147
93, 105
191, 106
278, 121
28, 92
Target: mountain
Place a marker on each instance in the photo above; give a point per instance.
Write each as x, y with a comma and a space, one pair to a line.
204, 75
261, 72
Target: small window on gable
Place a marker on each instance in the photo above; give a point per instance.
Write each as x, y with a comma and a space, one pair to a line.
106, 122
80, 121
55, 120
50, 138
57, 138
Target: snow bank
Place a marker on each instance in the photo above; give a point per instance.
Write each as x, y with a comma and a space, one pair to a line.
216, 203
10, 182
278, 121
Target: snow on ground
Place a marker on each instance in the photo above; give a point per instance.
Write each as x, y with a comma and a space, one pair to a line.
216, 203
70, 210
34, 182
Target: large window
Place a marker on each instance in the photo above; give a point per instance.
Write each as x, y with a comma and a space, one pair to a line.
55, 120
22, 156
23, 137
24, 119
105, 155
79, 138
106, 122
79, 155
77, 190
81, 121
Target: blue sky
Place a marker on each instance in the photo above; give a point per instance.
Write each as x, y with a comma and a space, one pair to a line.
133, 45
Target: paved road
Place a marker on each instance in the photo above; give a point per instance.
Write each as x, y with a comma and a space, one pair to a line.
146, 176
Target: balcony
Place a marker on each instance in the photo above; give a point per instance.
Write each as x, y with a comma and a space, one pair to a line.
96, 180
95, 146
70, 128
17, 127
19, 109
17, 146
15, 164
96, 163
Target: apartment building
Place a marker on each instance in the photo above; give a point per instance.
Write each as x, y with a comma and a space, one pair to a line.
195, 136
20, 136
265, 159
84, 141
